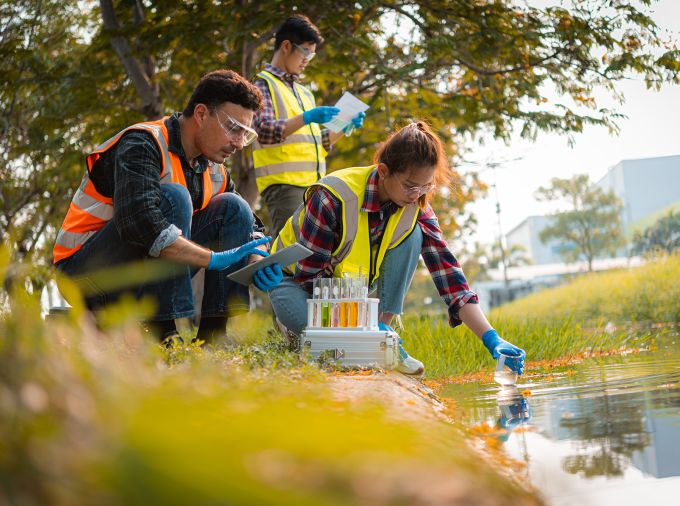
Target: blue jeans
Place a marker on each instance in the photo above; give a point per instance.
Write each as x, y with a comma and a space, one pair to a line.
227, 222
289, 299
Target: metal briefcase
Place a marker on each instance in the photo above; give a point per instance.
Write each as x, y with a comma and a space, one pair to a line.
352, 347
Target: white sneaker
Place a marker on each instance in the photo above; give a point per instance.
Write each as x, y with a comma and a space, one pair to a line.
408, 364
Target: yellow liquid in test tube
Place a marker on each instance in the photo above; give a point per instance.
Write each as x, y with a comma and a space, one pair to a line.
344, 314
353, 314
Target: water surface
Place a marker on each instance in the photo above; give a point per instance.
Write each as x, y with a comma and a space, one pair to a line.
603, 432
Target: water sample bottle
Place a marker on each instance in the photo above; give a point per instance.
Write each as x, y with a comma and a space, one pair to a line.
503, 375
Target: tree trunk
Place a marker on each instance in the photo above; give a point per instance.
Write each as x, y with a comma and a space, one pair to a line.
141, 74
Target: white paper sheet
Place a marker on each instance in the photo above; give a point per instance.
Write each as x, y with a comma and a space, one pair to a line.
349, 106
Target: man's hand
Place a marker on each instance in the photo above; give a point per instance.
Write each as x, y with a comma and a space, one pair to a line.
356, 123
321, 114
268, 278
495, 344
224, 259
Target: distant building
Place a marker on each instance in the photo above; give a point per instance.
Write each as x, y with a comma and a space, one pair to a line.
648, 188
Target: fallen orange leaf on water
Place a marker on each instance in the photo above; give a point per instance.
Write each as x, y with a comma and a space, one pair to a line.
526, 393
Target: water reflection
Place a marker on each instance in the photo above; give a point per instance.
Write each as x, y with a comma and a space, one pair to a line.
614, 420
513, 410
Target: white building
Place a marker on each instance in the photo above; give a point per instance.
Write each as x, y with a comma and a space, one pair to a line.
648, 188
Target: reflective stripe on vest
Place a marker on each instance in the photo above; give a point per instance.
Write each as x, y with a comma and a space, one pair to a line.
89, 210
353, 252
300, 160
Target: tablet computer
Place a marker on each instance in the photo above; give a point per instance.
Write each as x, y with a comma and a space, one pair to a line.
284, 257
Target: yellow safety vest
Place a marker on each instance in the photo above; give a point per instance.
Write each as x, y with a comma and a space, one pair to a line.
89, 210
300, 159
353, 252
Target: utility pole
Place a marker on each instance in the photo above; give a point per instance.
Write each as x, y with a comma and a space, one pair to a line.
501, 238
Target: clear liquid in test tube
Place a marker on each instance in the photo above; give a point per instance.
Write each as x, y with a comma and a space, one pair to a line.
335, 304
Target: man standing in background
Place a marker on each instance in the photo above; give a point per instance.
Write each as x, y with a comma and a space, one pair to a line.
290, 151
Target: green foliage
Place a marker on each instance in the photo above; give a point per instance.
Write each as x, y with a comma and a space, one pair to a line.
71, 80
661, 237
592, 225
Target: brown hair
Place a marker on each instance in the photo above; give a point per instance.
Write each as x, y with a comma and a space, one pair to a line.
220, 86
415, 146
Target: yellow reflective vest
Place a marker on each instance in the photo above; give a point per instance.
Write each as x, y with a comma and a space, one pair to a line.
353, 252
300, 159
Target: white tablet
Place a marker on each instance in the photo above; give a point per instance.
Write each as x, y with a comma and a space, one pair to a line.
284, 257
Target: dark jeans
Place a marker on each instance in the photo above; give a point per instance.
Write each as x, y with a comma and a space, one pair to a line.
227, 222
282, 200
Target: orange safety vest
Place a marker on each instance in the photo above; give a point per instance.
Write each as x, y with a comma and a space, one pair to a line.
90, 210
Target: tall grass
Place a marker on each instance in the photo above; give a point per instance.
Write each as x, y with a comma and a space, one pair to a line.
650, 293
564, 321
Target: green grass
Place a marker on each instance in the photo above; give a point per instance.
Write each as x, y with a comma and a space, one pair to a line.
109, 417
560, 322
650, 293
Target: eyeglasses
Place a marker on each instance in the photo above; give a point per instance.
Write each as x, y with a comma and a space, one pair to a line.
421, 190
238, 130
307, 54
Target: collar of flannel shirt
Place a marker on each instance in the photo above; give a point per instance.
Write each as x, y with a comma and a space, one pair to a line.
372, 201
281, 74
175, 143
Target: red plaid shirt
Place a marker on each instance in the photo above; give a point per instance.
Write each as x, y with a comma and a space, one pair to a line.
322, 229
270, 129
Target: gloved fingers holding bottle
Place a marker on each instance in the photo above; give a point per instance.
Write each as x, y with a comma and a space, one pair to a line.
224, 259
321, 114
268, 278
355, 124
495, 344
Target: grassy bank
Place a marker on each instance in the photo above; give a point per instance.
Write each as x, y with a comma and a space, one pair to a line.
565, 321
91, 417
650, 293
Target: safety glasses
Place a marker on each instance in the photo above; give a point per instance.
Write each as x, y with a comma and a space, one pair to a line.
306, 53
420, 190
236, 129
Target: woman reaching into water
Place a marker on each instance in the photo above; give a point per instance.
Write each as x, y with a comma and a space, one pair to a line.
377, 220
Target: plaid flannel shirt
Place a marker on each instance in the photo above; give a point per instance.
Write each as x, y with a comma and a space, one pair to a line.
322, 229
270, 129
130, 174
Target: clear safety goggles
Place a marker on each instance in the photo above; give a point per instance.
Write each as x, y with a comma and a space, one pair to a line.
236, 129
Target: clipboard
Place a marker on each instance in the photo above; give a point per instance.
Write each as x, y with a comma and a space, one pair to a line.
286, 256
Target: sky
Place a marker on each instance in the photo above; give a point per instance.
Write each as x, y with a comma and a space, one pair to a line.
652, 129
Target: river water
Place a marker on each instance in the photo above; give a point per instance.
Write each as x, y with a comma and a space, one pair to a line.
603, 432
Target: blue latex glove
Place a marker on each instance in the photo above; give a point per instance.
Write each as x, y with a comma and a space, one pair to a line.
356, 123
494, 343
321, 114
224, 259
382, 326
268, 278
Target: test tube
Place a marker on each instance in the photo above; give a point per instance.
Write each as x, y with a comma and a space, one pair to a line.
344, 304
363, 307
325, 305
354, 303
335, 304
316, 306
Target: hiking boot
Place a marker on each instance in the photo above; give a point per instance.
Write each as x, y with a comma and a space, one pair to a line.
408, 364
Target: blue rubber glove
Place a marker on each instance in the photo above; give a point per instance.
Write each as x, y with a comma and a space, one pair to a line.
224, 259
321, 114
356, 123
494, 343
383, 326
268, 278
